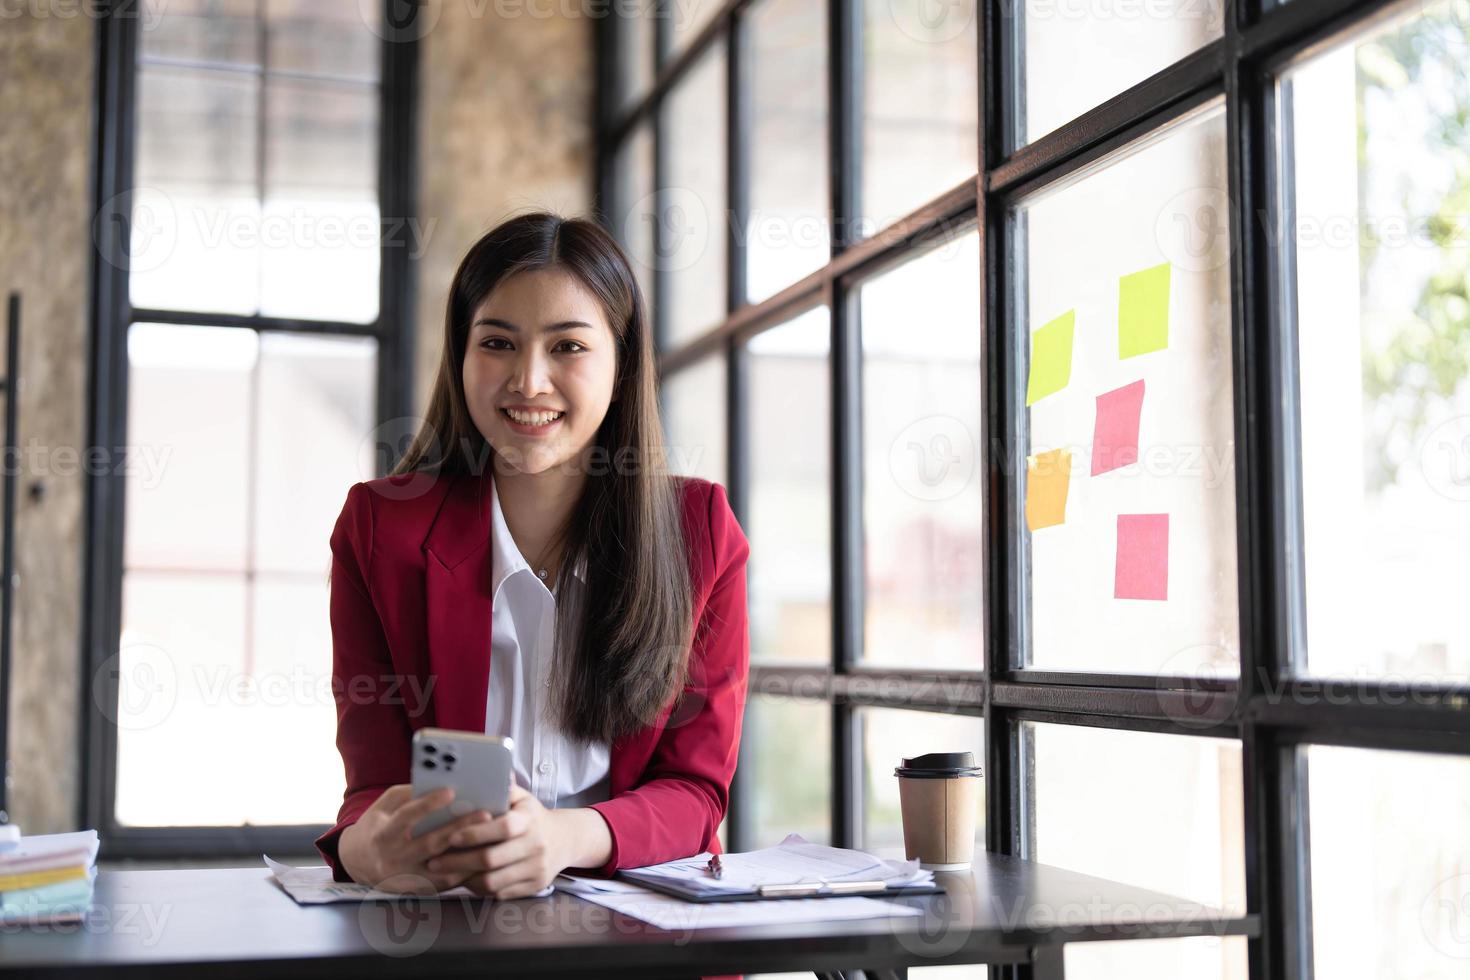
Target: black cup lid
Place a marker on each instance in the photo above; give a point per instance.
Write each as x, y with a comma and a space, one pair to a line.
939, 765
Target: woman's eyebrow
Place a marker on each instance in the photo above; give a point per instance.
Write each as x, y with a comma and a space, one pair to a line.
549, 328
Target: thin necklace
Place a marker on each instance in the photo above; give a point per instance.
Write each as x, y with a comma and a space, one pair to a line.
542, 573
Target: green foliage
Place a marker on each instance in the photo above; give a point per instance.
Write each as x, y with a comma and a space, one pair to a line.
1422, 360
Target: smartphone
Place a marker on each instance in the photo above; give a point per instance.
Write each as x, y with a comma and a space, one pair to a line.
478, 766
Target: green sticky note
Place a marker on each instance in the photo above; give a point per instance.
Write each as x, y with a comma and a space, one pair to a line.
1143, 311
1051, 358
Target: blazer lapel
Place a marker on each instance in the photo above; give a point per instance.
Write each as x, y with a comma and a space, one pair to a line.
457, 577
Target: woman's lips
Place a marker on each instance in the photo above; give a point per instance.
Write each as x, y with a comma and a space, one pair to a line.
532, 430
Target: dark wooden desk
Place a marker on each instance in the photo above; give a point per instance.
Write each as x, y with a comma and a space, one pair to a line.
239, 923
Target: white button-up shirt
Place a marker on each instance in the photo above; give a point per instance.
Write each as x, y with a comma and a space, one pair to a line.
558, 771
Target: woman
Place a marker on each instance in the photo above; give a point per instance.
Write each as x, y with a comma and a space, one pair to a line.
530, 569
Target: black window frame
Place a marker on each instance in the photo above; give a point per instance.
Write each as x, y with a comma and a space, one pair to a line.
112, 314
1270, 711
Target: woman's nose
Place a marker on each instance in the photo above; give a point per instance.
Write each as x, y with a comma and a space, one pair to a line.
530, 376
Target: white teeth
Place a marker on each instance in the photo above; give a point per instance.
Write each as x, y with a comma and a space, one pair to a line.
537, 418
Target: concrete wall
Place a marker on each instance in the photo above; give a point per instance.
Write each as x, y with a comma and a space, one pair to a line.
505, 124
46, 91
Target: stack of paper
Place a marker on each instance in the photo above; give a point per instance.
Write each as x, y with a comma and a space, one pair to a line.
48, 878
677, 915
794, 860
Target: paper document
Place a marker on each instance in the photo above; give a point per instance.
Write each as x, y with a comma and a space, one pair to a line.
677, 915
42, 852
315, 886
793, 860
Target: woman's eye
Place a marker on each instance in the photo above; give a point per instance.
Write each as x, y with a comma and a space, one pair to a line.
564, 344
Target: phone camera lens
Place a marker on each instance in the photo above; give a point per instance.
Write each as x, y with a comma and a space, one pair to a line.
448, 758
430, 764
429, 748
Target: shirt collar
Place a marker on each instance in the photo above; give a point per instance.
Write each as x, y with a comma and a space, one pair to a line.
508, 558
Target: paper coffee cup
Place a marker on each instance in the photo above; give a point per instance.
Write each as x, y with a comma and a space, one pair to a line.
939, 794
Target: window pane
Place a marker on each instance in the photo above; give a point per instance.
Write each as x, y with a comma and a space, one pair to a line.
635, 54
1076, 55
225, 631
321, 212
1383, 336
1130, 481
790, 515
196, 210
1162, 812
788, 234
694, 417
207, 31
187, 498
689, 18
693, 225
192, 700
326, 386
1390, 872
323, 38
891, 735
788, 761
635, 208
923, 476
920, 120
1197, 958
183, 640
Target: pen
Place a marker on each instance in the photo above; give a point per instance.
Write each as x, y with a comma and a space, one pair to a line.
714, 866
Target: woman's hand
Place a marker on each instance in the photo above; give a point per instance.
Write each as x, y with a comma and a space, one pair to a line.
378, 849
509, 856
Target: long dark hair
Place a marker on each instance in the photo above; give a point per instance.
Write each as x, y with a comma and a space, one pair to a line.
633, 625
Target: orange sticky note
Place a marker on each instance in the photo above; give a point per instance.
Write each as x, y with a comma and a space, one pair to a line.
1047, 477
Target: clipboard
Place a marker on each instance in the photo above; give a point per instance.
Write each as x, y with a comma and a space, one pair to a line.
796, 889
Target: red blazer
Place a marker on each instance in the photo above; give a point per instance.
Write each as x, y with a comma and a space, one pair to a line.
410, 612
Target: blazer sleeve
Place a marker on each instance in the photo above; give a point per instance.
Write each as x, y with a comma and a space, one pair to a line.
373, 733
676, 810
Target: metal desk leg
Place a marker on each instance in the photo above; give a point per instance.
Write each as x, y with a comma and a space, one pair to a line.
1045, 964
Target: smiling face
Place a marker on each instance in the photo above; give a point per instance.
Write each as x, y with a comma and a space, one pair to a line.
539, 344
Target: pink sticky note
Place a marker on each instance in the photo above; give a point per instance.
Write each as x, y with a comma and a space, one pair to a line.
1142, 570
1115, 433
